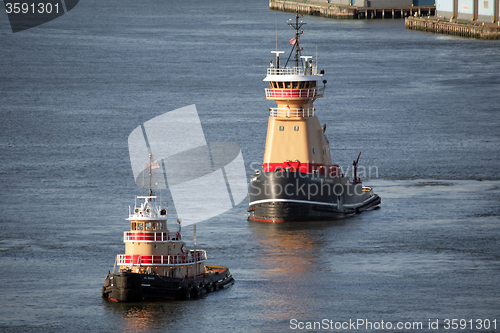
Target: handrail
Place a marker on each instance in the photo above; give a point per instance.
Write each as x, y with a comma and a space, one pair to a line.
287, 112
150, 236
314, 92
292, 71
161, 260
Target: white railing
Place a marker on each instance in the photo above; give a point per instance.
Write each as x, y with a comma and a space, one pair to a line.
300, 93
159, 260
150, 236
293, 71
287, 112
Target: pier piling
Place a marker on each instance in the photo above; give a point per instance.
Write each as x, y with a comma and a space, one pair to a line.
349, 12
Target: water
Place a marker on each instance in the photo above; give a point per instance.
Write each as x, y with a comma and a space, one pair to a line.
422, 108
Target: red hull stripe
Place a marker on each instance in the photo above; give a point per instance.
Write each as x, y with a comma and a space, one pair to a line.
332, 170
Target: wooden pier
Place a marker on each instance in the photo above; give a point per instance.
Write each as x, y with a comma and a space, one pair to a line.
455, 27
349, 12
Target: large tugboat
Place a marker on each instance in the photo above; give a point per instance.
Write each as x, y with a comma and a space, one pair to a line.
299, 182
157, 264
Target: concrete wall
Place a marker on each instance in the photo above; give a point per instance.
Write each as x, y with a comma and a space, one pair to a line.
466, 9
389, 3
360, 3
444, 8
481, 10
340, 2
486, 10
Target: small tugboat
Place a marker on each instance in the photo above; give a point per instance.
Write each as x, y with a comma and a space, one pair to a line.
299, 182
157, 264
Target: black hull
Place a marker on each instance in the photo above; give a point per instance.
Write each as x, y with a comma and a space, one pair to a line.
292, 196
136, 287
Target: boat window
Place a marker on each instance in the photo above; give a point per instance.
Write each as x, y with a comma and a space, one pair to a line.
301, 86
133, 226
153, 225
296, 128
280, 85
313, 84
314, 150
287, 84
148, 226
282, 128
295, 85
140, 226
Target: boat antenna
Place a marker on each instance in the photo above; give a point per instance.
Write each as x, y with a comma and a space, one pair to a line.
295, 41
150, 192
355, 164
276, 29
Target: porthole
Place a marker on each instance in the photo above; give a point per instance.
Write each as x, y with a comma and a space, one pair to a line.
282, 128
296, 128
314, 150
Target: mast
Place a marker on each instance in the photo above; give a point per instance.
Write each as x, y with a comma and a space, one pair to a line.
150, 192
296, 41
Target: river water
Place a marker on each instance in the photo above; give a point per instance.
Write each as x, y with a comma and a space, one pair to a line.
424, 109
